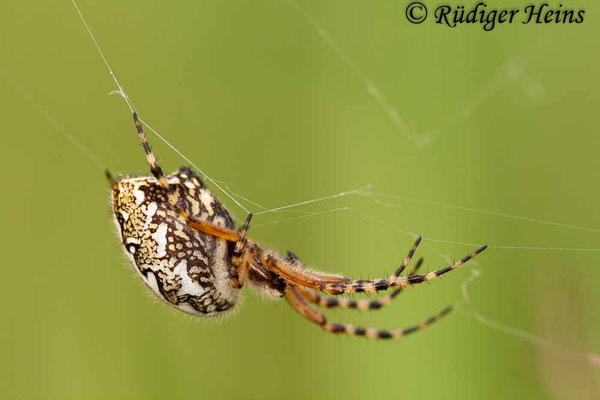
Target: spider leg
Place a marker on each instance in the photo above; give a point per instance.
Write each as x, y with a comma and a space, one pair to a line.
282, 267
361, 304
109, 177
211, 229
295, 263
416, 267
295, 299
242, 235
409, 257
242, 256
206, 227
334, 302
241, 265
292, 269
154, 167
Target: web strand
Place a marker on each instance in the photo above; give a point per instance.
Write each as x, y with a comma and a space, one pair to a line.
211, 180
490, 246
480, 211
132, 108
112, 74
309, 214
60, 128
591, 358
418, 140
471, 311
360, 190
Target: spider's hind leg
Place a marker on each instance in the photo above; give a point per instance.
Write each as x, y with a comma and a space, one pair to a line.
341, 285
154, 167
299, 304
361, 304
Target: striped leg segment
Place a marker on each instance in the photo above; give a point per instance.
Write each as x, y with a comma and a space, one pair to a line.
295, 299
206, 227
292, 269
242, 256
409, 257
241, 265
295, 271
243, 232
334, 302
361, 304
294, 262
154, 168
311, 280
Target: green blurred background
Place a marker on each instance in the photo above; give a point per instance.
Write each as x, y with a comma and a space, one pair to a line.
257, 97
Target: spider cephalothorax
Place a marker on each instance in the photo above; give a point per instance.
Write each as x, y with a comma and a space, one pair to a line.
182, 242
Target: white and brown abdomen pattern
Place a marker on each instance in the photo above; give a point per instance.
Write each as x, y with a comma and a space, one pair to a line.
184, 267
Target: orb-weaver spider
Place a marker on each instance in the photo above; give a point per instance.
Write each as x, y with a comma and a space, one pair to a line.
182, 242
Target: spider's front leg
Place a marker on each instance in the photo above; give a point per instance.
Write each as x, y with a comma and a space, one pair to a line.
313, 280
355, 304
292, 269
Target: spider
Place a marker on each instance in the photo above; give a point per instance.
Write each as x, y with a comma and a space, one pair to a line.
182, 242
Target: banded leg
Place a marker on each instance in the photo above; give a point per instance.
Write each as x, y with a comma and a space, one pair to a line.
409, 257
239, 245
292, 269
301, 306
239, 270
154, 168
282, 268
242, 257
361, 304
296, 264
206, 227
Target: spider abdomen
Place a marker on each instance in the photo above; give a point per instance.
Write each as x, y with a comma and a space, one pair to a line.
184, 267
